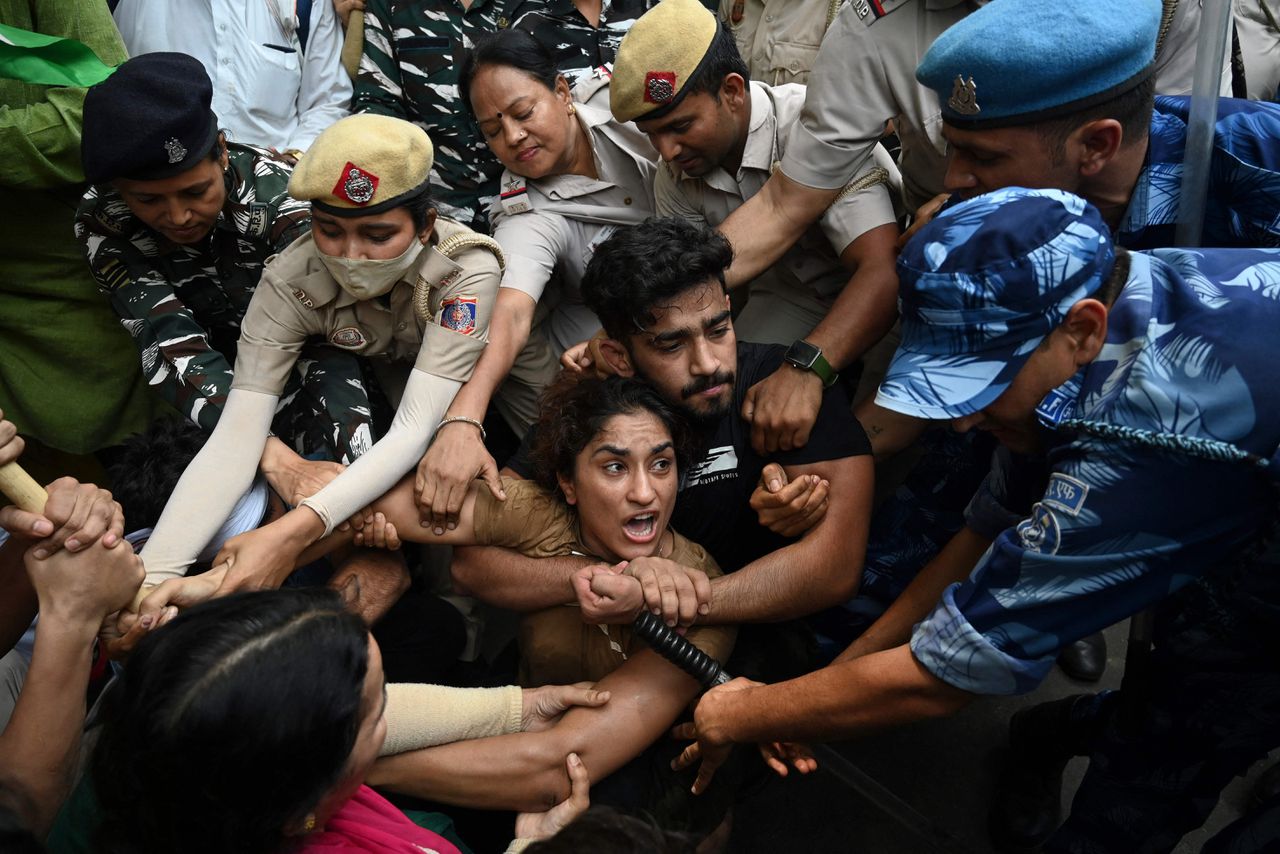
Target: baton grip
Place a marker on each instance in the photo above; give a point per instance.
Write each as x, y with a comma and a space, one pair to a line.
22, 489
678, 650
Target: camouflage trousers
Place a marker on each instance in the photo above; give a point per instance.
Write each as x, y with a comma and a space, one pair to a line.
332, 407
1208, 709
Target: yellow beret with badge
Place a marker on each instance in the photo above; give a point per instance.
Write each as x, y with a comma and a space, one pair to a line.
364, 164
658, 57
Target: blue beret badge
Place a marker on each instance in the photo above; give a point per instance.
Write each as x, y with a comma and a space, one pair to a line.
459, 314
964, 97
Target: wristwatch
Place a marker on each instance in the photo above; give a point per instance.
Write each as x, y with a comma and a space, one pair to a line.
807, 357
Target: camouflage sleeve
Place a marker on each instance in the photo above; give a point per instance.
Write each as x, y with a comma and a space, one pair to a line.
178, 360
378, 87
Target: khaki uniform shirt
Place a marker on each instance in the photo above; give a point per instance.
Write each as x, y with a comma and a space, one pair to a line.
813, 263
553, 225
298, 299
779, 39
865, 75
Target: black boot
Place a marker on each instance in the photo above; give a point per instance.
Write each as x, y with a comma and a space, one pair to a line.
1085, 659
1026, 807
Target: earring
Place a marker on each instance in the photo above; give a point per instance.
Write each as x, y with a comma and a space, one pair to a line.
573, 111
310, 824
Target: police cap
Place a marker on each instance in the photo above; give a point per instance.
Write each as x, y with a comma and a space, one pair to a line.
1015, 62
658, 57
364, 164
150, 119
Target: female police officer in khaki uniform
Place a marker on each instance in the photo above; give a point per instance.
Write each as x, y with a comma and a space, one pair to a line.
379, 275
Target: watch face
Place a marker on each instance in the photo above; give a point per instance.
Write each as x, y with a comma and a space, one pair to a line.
802, 353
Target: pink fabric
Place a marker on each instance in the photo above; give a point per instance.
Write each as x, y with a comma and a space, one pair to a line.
368, 822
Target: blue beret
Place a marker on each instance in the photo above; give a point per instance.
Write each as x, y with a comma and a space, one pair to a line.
1019, 61
980, 286
152, 118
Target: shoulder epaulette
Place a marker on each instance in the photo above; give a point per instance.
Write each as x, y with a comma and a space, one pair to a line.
870, 11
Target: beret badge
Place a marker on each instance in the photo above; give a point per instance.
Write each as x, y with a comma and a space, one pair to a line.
964, 97
356, 185
660, 87
176, 150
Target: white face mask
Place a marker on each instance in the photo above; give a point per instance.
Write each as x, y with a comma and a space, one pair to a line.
364, 278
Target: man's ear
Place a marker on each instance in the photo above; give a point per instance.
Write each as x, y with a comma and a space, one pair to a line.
615, 355
1086, 328
1095, 144
733, 91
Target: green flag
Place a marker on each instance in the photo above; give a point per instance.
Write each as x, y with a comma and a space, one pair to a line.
48, 60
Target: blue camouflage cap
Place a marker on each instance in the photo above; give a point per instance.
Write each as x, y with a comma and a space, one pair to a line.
1019, 61
980, 287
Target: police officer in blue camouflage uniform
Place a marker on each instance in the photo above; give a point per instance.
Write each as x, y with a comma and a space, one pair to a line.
1147, 380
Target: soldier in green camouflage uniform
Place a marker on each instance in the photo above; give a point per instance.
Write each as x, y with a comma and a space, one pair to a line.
183, 303
409, 70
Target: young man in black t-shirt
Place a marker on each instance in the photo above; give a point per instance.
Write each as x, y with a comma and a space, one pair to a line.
659, 291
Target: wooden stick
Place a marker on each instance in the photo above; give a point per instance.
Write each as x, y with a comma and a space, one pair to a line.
22, 489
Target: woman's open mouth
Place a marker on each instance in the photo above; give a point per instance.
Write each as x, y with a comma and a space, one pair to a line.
642, 528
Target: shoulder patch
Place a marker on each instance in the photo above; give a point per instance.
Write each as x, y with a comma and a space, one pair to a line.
514, 197
349, 337
870, 11
459, 314
1065, 493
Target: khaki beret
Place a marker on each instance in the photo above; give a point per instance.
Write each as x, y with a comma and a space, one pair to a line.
658, 57
363, 164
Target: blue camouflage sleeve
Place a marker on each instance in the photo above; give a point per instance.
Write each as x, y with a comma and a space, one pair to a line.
1114, 531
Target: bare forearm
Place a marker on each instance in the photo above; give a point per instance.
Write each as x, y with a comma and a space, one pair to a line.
526, 771
843, 700
769, 223
954, 563
508, 579
42, 741
865, 310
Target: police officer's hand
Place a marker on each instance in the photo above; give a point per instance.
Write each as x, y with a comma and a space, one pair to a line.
781, 756
255, 560
585, 356
789, 508
344, 8
926, 213
11, 444
782, 409
606, 596
674, 592
162, 601
711, 744
456, 457
542, 708
82, 588
541, 825
75, 517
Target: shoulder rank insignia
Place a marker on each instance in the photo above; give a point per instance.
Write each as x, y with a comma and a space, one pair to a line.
515, 196
301, 296
964, 97
870, 11
349, 337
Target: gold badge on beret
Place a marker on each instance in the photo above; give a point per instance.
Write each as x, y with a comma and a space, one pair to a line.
964, 97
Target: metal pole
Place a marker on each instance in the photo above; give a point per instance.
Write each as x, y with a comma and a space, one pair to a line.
1211, 46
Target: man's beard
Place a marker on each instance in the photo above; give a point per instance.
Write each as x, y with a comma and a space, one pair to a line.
703, 418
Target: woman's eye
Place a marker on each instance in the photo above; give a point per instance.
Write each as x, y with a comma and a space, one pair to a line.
662, 465
332, 235
614, 468
527, 115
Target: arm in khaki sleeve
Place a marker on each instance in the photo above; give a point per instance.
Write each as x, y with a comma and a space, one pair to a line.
771, 221
671, 196
421, 716
211, 485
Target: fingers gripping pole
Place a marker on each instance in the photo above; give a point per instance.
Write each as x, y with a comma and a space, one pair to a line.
22, 489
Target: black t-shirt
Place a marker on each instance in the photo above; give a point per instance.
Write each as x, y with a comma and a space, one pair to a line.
713, 506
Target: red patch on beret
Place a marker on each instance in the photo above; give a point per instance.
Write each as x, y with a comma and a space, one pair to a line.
660, 87
355, 185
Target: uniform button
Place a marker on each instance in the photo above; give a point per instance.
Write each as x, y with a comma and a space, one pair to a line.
627, 200
768, 18
400, 327
795, 66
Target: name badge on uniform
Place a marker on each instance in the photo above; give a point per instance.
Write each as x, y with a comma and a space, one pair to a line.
348, 337
258, 212
515, 197
459, 314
